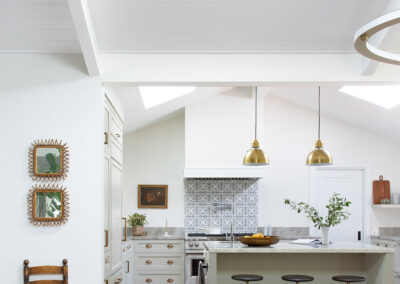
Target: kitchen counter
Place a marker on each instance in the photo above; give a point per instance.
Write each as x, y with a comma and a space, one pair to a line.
287, 247
386, 238
351, 258
157, 237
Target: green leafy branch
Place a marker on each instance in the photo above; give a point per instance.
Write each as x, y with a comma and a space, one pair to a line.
336, 211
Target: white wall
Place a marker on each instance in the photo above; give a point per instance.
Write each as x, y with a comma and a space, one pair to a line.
221, 126
220, 129
50, 96
155, 155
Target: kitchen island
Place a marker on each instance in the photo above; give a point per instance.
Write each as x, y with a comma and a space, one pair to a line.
340, 258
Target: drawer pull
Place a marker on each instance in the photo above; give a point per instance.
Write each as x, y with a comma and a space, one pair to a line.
170, 280
170, 261
148, 246
148, 280
170, 245
149, 262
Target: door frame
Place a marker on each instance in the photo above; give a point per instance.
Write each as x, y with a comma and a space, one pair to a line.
367, 194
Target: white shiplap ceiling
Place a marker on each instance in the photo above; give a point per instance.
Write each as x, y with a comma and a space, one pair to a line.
136, 26
37, 26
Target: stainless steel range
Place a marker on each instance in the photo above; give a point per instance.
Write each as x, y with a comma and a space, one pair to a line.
194, 253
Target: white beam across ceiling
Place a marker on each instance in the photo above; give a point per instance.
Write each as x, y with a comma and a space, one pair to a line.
85, 31
382, 40
238, 69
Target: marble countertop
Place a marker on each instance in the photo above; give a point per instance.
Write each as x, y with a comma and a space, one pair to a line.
157, 237
287, 247
386, 238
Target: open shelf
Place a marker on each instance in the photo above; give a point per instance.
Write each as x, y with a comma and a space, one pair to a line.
386, 206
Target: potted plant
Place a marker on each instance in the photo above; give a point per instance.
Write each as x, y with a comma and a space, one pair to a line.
137, 222
336, 214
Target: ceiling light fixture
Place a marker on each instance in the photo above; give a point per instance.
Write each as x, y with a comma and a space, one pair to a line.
155, 95
384, 96
319, 157
367, 31
255, 156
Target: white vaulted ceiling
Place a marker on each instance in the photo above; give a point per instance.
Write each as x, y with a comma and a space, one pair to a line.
37, 26
239, 26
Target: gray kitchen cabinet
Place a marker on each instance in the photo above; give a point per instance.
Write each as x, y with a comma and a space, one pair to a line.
158, 261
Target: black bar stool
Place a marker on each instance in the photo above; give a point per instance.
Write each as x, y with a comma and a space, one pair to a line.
247, 277
297, 278
348, 279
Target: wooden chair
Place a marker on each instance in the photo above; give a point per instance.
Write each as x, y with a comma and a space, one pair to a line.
46, 270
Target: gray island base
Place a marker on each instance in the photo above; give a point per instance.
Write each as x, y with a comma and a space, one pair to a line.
340, 258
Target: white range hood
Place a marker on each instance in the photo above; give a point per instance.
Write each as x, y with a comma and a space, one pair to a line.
241, 172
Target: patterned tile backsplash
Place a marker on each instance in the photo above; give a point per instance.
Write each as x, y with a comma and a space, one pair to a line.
217, 203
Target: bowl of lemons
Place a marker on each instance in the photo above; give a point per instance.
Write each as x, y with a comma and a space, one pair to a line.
259, 240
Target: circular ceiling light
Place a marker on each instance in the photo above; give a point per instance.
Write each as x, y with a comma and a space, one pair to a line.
367, 31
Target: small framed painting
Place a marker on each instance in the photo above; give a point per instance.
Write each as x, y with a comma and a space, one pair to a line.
153, 196
48, 205
48, 160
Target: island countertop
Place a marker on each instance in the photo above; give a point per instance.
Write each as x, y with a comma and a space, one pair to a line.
287, 247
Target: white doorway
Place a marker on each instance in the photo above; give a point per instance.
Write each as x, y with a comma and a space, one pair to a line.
348, 182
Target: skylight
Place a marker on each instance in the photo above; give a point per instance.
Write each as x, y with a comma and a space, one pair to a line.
384, 96
154, 96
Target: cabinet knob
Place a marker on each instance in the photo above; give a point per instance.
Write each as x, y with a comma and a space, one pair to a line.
386, 246
116, 134
377, 244
170, 261
148, 280
149, 262
170, 245
148, 246
170, 280
190, 244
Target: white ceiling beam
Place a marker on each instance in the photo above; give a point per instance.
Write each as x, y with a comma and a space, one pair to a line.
382, 40
85, 31
238, 69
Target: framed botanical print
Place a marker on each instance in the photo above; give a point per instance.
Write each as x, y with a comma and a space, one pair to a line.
153, 196
48, 160
48, 205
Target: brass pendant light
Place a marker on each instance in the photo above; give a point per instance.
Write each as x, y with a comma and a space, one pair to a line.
319, 157
255, 156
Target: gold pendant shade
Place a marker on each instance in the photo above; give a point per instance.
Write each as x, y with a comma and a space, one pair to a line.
319, 157
255, 156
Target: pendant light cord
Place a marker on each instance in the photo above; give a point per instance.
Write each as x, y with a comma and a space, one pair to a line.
319, 112
255, 118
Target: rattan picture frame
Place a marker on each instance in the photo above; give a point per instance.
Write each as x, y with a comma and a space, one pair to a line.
50, 167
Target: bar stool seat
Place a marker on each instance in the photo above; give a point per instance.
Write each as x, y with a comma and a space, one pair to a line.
297, 278
247, 277
348, 278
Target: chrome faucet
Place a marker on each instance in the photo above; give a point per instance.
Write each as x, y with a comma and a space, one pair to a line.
232, 237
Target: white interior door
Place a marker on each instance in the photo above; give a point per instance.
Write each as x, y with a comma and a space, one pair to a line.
348, 182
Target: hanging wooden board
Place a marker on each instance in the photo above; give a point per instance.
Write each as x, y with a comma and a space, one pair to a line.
381, 190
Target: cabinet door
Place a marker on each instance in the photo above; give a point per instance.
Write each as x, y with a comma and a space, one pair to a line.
106, 129
106, 198
116, 214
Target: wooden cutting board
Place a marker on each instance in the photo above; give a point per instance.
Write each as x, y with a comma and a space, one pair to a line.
381, 190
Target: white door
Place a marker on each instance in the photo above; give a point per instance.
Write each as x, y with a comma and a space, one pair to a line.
348, 182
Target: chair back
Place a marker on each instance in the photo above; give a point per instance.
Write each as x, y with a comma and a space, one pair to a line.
46, 270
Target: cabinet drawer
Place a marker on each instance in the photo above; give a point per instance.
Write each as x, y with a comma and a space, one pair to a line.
143, 278
115, 130
156, 262
159, 246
